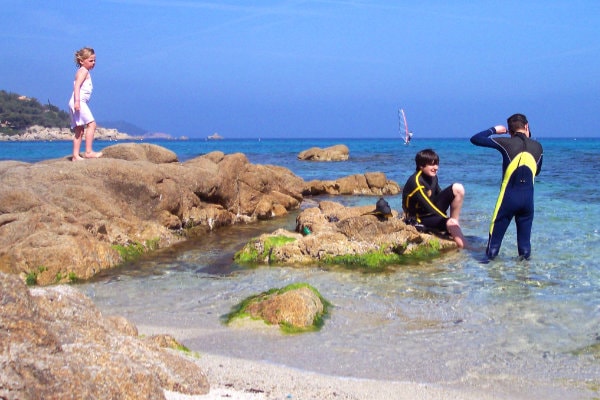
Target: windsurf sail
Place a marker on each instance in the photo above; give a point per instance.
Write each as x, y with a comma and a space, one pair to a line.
403, 126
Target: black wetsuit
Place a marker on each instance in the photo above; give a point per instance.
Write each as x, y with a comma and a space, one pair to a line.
521, 162
424, 202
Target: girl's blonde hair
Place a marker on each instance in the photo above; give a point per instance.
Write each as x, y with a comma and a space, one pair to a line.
83, 54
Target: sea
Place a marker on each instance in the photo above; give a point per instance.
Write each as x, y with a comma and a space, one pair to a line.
453, 321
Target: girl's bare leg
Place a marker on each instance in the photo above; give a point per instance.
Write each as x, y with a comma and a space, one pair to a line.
89, 141
77, 143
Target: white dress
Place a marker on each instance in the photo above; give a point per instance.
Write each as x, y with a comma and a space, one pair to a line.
84, 115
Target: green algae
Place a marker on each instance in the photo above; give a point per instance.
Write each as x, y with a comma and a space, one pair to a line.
592, 349
239, 311
133, 251
259, 251
32, 277
250, 253
379, 260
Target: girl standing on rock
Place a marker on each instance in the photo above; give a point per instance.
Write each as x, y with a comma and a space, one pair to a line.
81, 115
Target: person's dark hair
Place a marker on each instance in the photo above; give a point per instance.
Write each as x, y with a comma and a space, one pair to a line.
426, 157
516, 122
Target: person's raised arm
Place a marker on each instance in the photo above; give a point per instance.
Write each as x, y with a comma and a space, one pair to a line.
483, 138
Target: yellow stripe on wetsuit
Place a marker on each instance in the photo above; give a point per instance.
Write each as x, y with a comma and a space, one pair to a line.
523, 158
419, 188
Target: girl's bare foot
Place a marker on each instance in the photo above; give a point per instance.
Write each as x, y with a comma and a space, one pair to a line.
77, 158
93, 154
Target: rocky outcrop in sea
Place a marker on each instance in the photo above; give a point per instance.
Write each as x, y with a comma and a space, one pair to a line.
62, 220
40, 133
339, 152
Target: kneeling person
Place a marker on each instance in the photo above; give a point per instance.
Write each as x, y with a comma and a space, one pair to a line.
425, 203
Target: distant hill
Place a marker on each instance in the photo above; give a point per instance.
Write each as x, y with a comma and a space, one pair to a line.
18, 112
124, 126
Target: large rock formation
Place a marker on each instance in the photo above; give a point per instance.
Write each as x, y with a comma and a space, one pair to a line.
370, 183
62, 220
55, 344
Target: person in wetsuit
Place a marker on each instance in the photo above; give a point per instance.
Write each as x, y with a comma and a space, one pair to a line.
521, 162
424, 203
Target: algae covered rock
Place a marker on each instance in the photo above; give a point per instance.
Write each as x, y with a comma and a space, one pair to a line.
295, 308
351, 236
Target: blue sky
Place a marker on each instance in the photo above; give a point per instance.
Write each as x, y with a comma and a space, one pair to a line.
321, 68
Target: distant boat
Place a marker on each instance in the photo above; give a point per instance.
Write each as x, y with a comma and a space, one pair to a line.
214, 136
403, 127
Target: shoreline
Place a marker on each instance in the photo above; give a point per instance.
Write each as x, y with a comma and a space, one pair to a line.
245, 379
236, 378
38, 133
242, 379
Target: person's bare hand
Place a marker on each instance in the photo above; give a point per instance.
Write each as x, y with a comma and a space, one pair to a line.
500, 129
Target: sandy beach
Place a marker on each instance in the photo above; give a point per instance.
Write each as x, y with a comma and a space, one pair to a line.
233, 378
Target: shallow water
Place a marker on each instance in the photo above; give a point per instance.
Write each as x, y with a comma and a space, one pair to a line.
451, 320
440, 322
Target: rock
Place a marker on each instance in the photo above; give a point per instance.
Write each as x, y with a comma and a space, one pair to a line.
55, 344
63, 220
297, 307
338, 152
40, 133
140, 152
242, 188
372, 183
339, 235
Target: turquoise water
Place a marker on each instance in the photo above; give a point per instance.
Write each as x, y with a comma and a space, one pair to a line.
453, 321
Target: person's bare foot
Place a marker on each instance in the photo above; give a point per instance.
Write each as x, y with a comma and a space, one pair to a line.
77, 158
93, 154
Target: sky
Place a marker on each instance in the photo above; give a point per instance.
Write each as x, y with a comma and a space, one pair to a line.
314, 68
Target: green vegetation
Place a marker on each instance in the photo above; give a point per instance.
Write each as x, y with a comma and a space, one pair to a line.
239, 311
73, 277
133, 251
32, 276
152, 244
377, 261
374, 261
186, 350
19, 112
250, 255
592, 349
